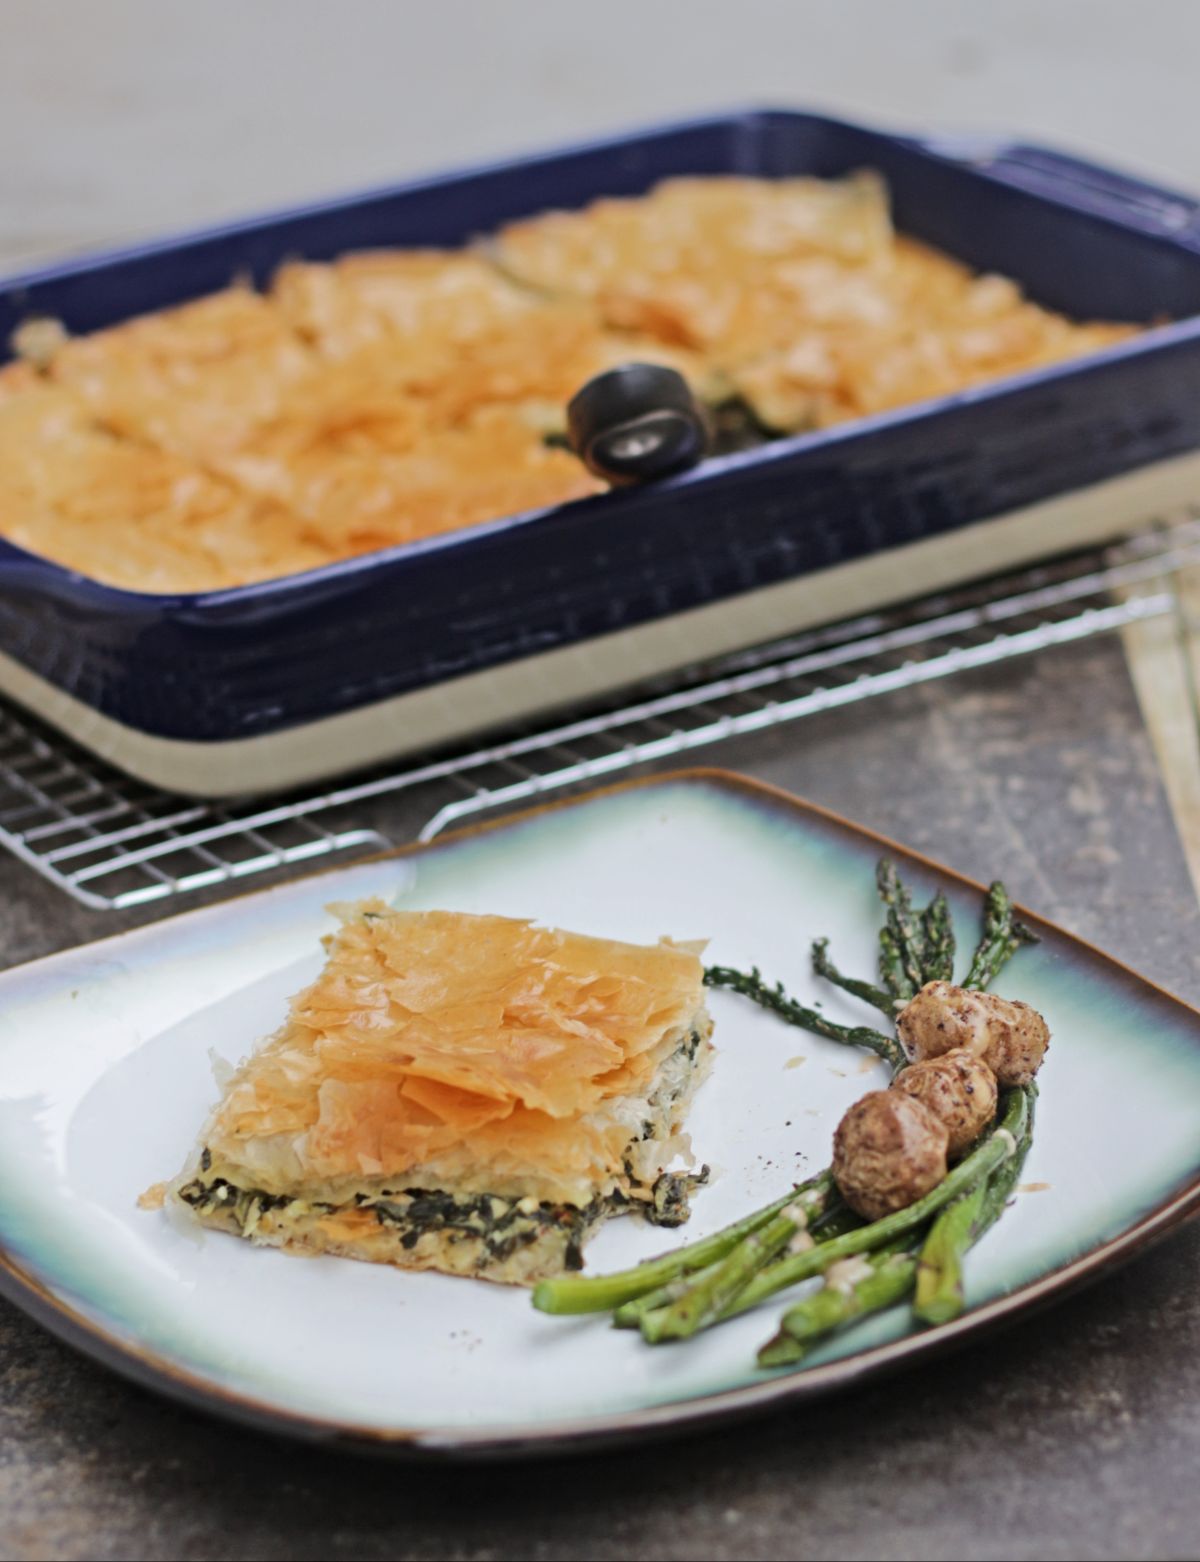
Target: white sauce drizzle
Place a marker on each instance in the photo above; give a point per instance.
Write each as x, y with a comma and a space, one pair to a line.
846, 1273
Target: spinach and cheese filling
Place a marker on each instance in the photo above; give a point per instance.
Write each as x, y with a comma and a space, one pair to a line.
462, 1093
499, 1228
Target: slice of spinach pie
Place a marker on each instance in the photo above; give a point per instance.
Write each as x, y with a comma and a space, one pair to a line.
472, 1094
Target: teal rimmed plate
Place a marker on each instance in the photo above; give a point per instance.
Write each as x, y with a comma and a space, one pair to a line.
106, 1073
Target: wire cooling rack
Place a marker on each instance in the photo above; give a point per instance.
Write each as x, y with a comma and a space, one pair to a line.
113, 843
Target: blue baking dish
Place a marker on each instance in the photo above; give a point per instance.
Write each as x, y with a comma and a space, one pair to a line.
271, 684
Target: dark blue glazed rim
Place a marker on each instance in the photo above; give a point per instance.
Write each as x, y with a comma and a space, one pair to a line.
248, 662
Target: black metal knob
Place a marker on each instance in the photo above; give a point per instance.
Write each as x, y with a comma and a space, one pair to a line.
637, 422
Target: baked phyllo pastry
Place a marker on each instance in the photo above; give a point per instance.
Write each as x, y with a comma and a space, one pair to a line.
472, 1094
906, 326
658, 261
355, 500
392, 395
417, 301
193, 380
129, 515
421, 433
797, 291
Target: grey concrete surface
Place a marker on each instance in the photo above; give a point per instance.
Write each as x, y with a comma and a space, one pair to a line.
1075, 1434
136, 116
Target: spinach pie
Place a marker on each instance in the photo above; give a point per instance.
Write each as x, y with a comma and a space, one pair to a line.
472, 1094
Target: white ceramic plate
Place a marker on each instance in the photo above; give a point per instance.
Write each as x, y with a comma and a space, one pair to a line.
105, 1078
